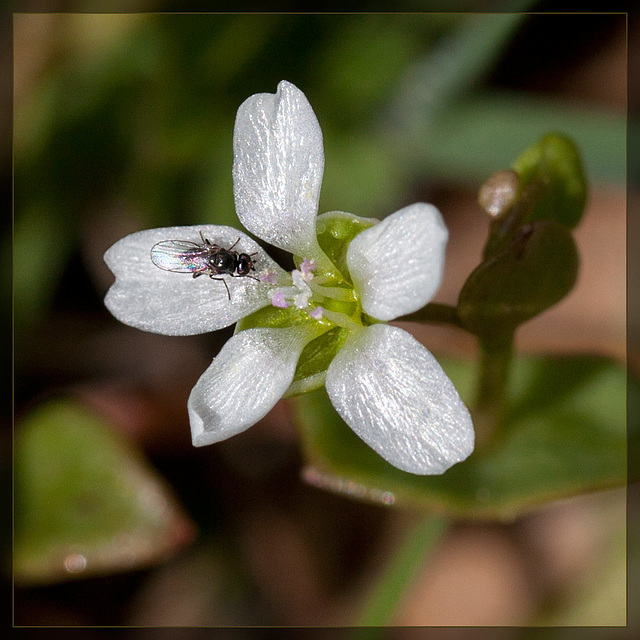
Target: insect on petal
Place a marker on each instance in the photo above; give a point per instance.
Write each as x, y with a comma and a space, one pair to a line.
179, 256
172, 302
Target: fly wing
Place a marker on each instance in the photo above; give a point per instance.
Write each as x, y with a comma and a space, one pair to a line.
180, 256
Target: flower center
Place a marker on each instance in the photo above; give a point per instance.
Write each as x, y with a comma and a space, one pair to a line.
321, 297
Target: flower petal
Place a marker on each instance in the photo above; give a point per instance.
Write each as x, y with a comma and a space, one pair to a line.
277, 170
392, 392
397, 265
246, 379
152, 299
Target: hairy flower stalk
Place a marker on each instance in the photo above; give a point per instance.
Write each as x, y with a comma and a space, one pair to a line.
323, 323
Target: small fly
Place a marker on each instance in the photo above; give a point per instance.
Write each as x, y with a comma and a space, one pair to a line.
183, 256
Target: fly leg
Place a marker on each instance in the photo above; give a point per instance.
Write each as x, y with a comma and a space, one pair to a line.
226, 286
196, 274
244, 275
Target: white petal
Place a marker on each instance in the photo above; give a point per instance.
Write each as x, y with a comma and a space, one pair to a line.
392, 392
152, 299
277, 171
246, 379
397, 265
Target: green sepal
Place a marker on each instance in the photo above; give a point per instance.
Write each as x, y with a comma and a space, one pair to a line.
554, 165
565, 434
314, 360
277, 318
536, 270
335, 230
317, 354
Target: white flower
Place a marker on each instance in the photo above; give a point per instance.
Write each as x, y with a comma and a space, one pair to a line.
384, 384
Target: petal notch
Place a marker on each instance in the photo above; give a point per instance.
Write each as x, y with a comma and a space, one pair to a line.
278, 167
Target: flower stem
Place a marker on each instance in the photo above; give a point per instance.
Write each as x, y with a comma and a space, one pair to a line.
436, 313
495, 358
383, 601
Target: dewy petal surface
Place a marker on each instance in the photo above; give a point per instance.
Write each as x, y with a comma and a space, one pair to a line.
393, 393
397, 265
277, 170
149, 298
246, 379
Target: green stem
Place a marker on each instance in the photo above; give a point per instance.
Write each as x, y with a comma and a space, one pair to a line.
436, 313
495, 359
392, 586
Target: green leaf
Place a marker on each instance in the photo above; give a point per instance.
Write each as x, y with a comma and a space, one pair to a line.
554, 162
536, 270
86, 503
565, 435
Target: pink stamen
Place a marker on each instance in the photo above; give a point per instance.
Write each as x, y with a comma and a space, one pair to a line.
277, 300
269, 276
307, 267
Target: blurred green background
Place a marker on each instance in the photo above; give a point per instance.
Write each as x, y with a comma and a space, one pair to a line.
136, 112
124, 122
